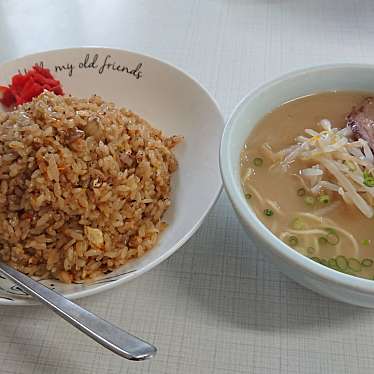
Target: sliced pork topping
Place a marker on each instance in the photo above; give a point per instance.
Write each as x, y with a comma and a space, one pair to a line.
361, 121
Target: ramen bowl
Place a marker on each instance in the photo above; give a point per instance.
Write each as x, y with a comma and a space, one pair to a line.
246, 115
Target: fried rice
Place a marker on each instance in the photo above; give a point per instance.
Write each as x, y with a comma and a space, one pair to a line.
83, 186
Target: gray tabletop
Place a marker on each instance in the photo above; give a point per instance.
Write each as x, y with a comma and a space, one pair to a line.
216, 306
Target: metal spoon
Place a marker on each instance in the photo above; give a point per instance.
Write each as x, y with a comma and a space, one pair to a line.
106, 334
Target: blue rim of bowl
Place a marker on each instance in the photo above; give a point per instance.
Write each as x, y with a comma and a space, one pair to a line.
234, 192
22, 301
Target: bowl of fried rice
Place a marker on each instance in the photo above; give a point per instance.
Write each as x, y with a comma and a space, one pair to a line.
108, 175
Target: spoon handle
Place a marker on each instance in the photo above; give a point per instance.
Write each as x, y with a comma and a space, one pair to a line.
106, 334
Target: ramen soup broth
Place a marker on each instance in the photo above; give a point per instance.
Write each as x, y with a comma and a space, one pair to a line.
320, 225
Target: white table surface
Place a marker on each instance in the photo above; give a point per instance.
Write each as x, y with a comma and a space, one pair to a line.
216, 306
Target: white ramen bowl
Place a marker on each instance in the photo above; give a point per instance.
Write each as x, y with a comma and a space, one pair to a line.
244, 118
171, 101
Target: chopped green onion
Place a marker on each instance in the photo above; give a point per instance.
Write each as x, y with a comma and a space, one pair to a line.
350, 164
368, 179
342, 263
258, 161
332, 237
292, 241
248, 196
332, 263
309, 200
354, 264
310, 250
298, 224
365, 242
322, 240
268, 212
301, 192
369, 182
324, 199
367, 262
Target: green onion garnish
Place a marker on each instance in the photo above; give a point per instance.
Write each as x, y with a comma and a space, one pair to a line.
354, 265
342, 263
301, 192
258, 161
309, 200
268, 212
322, 240
367, 262
369, 182
248, 196
292, 241
332, 237
368, 179
324, 199
365, 242
332, 263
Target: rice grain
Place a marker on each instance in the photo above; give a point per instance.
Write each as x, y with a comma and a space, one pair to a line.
83, 186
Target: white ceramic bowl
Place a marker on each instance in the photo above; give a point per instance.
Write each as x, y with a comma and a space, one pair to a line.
170, 100
244, 118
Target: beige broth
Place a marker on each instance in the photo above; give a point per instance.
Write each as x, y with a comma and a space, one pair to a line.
280, 128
